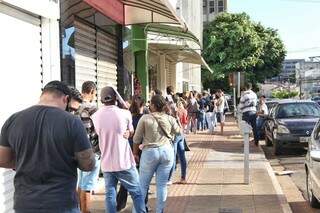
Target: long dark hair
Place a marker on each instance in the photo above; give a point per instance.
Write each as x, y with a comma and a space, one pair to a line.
137, 103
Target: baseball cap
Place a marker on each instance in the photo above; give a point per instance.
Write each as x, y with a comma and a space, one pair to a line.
58, 85
107, 94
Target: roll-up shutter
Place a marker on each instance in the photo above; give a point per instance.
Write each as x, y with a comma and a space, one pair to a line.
106, 60
85, 54
21, 69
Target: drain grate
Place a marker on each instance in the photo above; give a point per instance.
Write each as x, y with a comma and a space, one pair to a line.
228, 210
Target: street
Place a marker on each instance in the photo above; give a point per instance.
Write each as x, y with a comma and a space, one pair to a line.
293, 185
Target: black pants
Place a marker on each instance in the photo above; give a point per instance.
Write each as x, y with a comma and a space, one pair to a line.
251, 118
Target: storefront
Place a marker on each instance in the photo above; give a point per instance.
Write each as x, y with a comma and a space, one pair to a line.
29, 53
168, 51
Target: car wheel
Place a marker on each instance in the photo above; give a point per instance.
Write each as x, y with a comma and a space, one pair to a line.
313, 201
268, 142
277, 149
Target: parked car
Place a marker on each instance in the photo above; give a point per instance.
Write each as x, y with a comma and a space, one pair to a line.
312, 165
316, 99
290, 123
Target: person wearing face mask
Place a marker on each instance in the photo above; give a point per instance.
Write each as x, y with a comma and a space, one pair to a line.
45, 145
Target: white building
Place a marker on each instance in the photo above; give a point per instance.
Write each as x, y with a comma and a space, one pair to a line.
30, 58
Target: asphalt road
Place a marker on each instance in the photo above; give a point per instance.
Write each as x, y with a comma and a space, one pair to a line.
292, 160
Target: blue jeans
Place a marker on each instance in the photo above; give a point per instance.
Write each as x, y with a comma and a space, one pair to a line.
260, 126
179, 149
201, 119
130, 180
211, 118
156, 160
251, 118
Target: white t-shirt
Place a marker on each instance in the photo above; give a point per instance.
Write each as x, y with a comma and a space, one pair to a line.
264, 108
220, 106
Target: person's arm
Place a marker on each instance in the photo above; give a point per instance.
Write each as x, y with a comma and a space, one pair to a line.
7, 157
85, 159
83, 152
138, 135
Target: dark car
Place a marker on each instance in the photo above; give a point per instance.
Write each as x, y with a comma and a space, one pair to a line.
316, 99
290, 123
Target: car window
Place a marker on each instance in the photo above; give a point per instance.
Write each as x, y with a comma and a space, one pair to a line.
294, 110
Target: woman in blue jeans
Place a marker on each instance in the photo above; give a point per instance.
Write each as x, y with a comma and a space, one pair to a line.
179, 150
154, 136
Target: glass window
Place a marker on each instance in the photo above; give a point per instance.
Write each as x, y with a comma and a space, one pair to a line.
220, 9
68, 53
296, 110
211, 10
211, 3
220, 3
204, 3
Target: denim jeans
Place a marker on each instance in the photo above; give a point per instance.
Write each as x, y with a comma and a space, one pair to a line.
201, 120
156, 160
130, 180
179, 149
260, 126
211, 118
251, 118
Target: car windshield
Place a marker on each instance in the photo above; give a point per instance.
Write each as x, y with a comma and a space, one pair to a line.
296, 110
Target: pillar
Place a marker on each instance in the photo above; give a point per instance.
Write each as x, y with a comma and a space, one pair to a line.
162, 73
140, 50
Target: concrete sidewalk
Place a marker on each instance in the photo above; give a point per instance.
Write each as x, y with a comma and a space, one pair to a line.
215, 179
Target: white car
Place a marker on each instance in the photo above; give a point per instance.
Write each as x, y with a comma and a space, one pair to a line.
312, 165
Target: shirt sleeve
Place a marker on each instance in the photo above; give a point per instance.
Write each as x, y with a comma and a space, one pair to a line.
175, 127
130, 125
4, 139
138, 135
79, 136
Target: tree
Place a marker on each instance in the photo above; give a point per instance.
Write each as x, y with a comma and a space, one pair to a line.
233, 43
283, 94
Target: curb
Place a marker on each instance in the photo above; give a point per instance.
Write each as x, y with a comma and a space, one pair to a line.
281, 196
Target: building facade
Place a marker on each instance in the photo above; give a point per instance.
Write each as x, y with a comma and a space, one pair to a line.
30, 58
308, 78
211, 8
288, 71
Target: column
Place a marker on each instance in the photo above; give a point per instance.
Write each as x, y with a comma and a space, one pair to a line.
140, 50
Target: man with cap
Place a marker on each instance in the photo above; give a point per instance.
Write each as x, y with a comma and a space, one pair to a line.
117, 160
45, 145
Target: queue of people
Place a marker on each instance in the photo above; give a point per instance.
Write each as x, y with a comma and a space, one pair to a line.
59, 146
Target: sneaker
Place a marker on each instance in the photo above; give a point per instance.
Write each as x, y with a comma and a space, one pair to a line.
169, 183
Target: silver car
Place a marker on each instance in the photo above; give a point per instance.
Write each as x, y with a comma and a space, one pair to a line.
312, 165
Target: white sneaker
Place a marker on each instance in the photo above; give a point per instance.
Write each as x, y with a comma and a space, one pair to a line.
169, 183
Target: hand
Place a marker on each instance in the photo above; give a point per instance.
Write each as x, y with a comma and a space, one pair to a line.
126, 135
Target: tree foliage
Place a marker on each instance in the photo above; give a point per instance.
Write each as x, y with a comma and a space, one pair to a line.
233, 43
284, 94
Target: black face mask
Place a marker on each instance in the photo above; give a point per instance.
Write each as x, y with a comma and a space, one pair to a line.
68, 102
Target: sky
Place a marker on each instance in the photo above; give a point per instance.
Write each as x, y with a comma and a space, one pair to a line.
298, 22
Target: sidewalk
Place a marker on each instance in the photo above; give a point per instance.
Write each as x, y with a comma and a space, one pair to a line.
215, 179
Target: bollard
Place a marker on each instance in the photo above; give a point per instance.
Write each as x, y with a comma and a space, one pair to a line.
246, 129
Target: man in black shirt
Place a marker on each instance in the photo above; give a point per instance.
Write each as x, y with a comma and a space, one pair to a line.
45, 144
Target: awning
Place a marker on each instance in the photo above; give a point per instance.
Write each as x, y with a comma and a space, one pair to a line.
179, 46
130, 12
